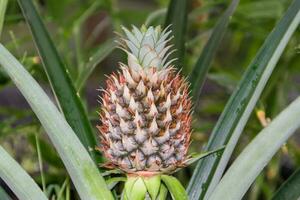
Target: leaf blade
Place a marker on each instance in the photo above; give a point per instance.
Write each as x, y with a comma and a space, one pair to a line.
257, 154
17, 179
174, 186
59, 78
241, 103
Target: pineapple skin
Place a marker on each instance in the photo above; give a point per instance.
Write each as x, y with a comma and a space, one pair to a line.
146, 112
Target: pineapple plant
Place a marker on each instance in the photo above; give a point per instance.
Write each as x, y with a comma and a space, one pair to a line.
146, 109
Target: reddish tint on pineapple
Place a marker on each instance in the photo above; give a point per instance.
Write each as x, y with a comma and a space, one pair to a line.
145, 119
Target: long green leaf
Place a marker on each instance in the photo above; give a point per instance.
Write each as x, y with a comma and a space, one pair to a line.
59, 78
257, 154
174, 186
200, 70
290, 188
17, 179
84, 173
3, 5
177, 18
240, 105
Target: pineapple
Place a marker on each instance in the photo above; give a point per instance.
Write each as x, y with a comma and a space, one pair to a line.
146, 109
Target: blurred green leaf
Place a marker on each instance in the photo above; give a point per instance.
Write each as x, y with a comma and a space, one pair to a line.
17, 179
257, 154
175, 188
58, 10
224, 79
53, 188
290, 188
177, 18
83, 171
240, 105
102, 52
261, 10
59, 78
3, 5
200, 70
155, 16
4, 195
127, 17
63, 188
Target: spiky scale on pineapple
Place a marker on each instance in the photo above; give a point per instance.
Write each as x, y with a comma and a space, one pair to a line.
146, 110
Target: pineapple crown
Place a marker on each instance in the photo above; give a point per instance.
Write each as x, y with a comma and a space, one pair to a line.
147, 47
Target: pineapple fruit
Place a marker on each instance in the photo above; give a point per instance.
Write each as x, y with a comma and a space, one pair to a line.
146, 111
